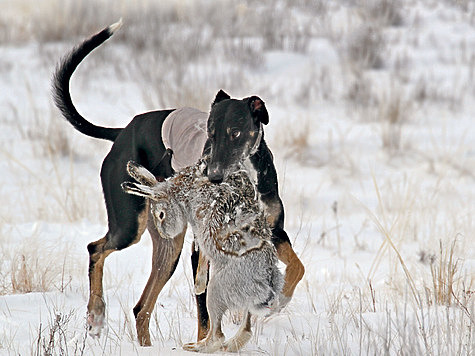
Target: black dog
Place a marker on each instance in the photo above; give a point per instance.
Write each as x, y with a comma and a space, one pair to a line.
234, 134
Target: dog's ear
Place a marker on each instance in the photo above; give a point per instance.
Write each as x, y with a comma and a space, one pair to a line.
258, 110
222, 95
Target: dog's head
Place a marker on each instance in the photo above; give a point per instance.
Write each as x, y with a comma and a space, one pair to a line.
234, 133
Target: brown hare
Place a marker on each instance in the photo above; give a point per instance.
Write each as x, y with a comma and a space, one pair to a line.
232, 232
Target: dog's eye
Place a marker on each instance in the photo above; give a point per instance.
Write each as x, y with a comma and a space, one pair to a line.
235, 134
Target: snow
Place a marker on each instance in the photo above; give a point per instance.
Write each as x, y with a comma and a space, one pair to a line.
366, 220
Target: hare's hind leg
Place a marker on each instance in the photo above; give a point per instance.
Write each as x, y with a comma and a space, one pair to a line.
216, 306
241, 338
213, 341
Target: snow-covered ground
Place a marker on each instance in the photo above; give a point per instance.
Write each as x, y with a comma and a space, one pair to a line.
372, 128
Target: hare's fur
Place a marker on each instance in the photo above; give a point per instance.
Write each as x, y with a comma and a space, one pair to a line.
232, 233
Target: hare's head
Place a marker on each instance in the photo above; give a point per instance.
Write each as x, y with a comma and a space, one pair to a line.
167, 214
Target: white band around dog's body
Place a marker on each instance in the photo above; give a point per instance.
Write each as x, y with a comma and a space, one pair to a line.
184, 132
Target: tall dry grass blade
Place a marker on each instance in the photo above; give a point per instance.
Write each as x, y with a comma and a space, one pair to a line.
443, 275
389, 241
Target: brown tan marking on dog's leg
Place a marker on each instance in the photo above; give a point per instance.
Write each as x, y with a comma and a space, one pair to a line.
243, 335
201, 309
294, 270
98, 251
96, 305
202, 330
201, 278
165, 257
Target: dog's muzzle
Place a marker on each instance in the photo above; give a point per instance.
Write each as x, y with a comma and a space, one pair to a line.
215, 175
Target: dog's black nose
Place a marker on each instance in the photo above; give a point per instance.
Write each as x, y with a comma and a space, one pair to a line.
216, 179
215, 176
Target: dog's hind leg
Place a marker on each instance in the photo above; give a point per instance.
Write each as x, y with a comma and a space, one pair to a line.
241, 338
166, 254
127, 220
98, 251
96, 305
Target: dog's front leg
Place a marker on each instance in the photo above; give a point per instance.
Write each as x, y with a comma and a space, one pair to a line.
201, 278
201, 309
166, 254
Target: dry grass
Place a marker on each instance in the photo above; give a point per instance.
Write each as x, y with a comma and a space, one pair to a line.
422, 292
382, 12
360, 92
179, 85
54, 339
318, 85
28, 267
26, 22
296, 140
393, 111
281, 32
402, 305
466, 5
55, 196
363, 48
365, 45
448, 286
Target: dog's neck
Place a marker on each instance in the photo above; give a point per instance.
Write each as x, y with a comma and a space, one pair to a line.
254, 148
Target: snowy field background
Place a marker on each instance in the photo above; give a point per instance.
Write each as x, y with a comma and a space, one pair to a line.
372, 107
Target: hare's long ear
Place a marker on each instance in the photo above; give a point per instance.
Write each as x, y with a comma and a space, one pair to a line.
141, 174
157, 192
139, 189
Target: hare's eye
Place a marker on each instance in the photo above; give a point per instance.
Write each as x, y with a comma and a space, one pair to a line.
161, 215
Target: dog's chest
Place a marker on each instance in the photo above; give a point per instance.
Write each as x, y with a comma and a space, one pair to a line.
251, 171
270, 208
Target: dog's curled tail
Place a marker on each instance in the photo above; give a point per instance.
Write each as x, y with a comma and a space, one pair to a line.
62, 77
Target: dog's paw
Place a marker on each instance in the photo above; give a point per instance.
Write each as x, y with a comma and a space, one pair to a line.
200, 288
201, 282
283, 301
95, 324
